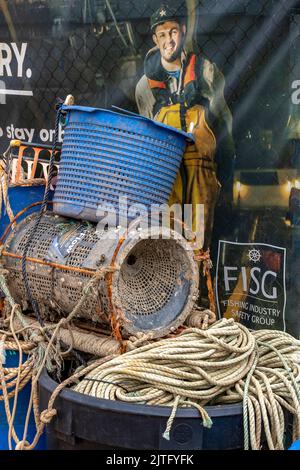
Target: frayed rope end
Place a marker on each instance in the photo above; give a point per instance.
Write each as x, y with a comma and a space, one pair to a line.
207, 423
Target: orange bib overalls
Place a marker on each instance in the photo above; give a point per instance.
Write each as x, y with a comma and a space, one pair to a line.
196, 181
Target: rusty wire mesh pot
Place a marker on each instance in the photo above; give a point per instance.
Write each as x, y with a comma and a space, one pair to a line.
154, 287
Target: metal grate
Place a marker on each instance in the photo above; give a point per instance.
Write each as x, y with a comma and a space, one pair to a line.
149, 277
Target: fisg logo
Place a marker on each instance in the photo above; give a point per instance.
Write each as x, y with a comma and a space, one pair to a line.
253, 280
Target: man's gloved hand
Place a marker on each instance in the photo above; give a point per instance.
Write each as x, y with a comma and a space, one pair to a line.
214, 80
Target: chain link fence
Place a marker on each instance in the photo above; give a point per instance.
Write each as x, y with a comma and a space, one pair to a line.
95, 50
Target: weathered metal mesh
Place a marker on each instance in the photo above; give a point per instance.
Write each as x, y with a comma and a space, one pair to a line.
47, 288
156, 286
150, 274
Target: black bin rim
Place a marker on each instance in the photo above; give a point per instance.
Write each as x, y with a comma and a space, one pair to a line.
76, 398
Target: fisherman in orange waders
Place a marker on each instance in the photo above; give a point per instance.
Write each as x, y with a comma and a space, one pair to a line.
185, 90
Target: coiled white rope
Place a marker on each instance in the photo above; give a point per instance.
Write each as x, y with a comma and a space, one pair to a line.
224, 364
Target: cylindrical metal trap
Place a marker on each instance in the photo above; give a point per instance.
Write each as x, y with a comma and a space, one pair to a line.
154, 287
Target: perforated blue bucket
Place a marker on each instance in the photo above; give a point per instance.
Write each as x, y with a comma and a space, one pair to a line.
106, 155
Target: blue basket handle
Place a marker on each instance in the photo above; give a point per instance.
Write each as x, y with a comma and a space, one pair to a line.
189, 136
125, 111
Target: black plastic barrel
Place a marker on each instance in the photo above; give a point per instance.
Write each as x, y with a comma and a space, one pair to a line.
87, 423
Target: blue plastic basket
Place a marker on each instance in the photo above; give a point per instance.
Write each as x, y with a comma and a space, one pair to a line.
19, 198
106, 155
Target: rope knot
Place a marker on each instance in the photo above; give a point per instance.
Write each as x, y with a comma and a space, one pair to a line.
202, 256
47, 415
38, 339
88, 289
140, 339
201, 318
23, 445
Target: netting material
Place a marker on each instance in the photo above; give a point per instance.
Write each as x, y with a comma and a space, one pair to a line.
149, 276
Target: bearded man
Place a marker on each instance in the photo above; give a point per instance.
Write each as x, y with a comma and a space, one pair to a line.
185, 90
